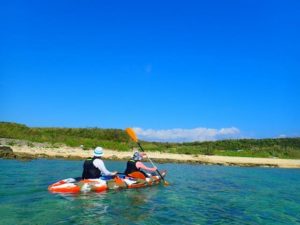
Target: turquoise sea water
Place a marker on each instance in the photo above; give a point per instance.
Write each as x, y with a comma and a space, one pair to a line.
198, 194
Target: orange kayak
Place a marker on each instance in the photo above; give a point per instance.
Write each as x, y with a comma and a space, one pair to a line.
77, 185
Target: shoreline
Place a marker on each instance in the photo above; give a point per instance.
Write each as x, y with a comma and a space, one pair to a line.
26, 152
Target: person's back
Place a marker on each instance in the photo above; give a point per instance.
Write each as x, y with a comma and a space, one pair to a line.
131, 167
94, 168
89, 170
135, 165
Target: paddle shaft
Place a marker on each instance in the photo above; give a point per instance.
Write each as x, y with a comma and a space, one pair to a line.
151, 162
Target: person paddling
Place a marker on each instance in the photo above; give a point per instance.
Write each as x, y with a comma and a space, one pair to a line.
94, 167
135, 165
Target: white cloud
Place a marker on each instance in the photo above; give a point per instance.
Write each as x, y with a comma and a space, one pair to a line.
282, 136
187, 135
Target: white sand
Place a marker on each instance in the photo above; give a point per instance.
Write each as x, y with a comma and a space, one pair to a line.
224, 160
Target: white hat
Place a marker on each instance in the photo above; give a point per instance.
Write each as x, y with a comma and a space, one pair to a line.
98, 152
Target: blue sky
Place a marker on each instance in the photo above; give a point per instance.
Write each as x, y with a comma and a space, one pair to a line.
195, 66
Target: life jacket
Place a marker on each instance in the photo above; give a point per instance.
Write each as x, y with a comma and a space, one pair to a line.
89, 170
131, 167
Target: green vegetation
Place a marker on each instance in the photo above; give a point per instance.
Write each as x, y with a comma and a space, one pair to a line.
279, 147
74, 137
117, 139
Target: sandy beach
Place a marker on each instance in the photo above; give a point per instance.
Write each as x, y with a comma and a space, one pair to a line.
78, 153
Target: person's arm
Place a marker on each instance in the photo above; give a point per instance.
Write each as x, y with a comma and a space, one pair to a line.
141, 165
100, 165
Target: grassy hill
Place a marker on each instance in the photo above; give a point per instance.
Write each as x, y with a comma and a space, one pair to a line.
117, 139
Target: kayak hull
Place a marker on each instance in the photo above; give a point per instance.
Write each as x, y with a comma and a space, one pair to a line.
77, 185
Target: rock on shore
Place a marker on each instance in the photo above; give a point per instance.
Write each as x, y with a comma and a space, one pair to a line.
6, 152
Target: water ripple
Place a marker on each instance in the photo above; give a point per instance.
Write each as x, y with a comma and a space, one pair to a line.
209, 195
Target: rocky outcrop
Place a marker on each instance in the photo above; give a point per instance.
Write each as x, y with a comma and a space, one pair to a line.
6, 152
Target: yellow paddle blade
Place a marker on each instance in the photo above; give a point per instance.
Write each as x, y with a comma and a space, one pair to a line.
131, 134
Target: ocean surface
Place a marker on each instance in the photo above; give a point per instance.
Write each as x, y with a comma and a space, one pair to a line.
197, 194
